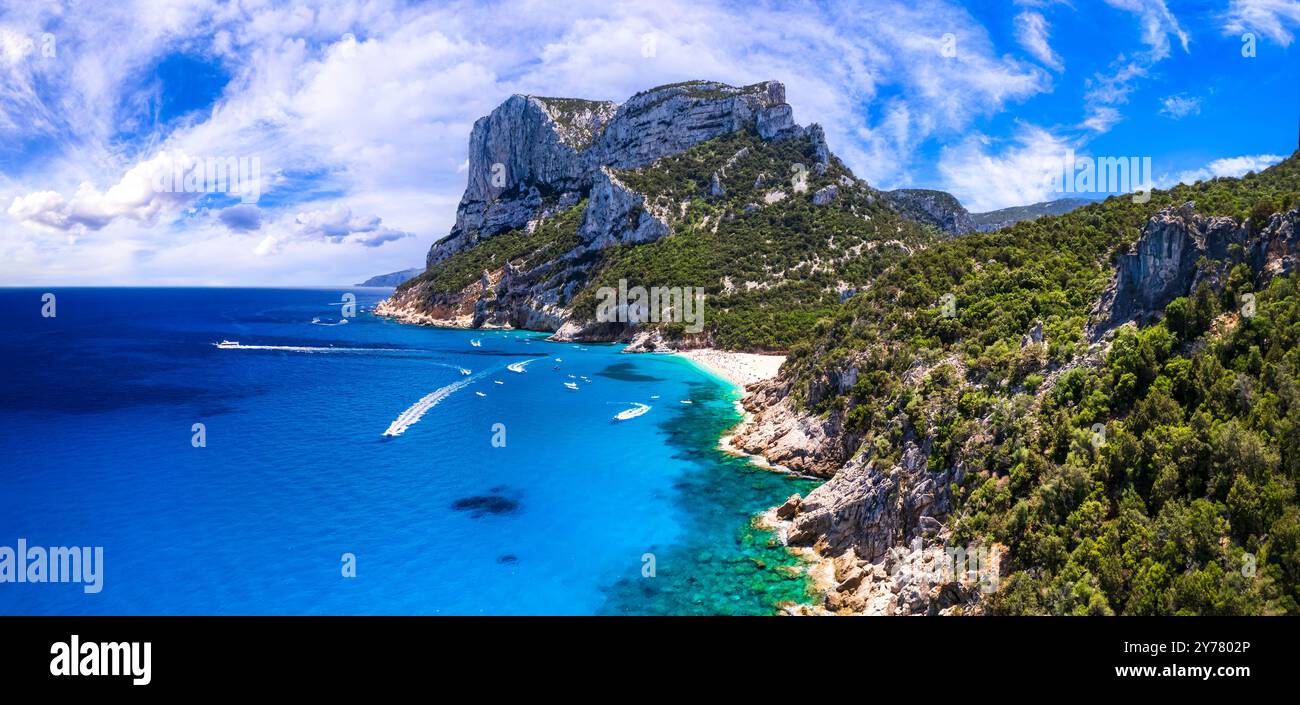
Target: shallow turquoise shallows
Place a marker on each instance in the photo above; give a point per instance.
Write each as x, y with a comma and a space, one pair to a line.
507, 485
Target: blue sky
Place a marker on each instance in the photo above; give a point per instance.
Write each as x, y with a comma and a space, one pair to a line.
358, 113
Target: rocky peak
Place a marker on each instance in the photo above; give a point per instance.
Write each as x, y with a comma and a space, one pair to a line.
532, 149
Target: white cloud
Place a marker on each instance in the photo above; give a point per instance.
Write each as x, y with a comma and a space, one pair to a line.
1101, 118
1158, 23
133, 197
1180, 106
1229, 166
337, 224
377, 123
986, 175
1274, 19
1033, 33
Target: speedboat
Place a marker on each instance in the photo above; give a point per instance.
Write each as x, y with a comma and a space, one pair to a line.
227, 344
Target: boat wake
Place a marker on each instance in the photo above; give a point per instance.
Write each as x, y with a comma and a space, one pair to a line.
637, 410
519, 366
228, 345
417, 410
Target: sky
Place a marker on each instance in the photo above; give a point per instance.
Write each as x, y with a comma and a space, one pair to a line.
347, 122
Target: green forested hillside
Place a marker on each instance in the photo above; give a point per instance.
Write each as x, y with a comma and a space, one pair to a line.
1182, 501
771, 270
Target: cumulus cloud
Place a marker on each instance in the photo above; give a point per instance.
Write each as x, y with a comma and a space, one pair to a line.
1275, 19
337, 224
133, 197
987, 174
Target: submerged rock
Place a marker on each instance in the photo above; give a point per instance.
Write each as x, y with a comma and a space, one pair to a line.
480, 505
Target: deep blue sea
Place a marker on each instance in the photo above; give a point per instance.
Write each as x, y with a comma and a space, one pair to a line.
99, 402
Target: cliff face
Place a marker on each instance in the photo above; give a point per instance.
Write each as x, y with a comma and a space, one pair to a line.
532, 148
544, 199
1179, 250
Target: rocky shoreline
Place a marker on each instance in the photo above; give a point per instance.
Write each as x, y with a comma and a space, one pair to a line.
893, 513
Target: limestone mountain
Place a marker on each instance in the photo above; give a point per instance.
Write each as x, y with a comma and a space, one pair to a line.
696, 184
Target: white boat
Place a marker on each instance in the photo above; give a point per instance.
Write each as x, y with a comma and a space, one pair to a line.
227, 344
480, 394
687, 401
476, 343
636, 410
654, 396
464, 371
570, 385
497, 381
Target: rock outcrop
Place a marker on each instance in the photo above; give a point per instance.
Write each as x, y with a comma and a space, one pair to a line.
532, 148
938, 208
535, 159
1179, 250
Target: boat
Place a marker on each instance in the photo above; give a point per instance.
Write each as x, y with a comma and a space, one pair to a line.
570, 385
687, 401
480, 394
464, 371
636, 410
476, 343
227, 344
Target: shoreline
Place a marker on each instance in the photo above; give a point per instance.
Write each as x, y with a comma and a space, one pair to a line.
739, 368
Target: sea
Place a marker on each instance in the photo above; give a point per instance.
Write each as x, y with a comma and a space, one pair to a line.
284, 451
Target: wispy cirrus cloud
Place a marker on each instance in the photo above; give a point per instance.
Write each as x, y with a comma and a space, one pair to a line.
1034, 32
1275, 19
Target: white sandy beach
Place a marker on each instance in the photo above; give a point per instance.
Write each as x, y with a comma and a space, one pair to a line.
736, 367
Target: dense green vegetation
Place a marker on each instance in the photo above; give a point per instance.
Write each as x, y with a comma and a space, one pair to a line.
553, 237
1158, 478
1184, 500
1155, 476
996, 218
770, 270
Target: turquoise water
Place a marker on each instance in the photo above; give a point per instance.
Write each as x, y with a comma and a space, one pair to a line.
96, 439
